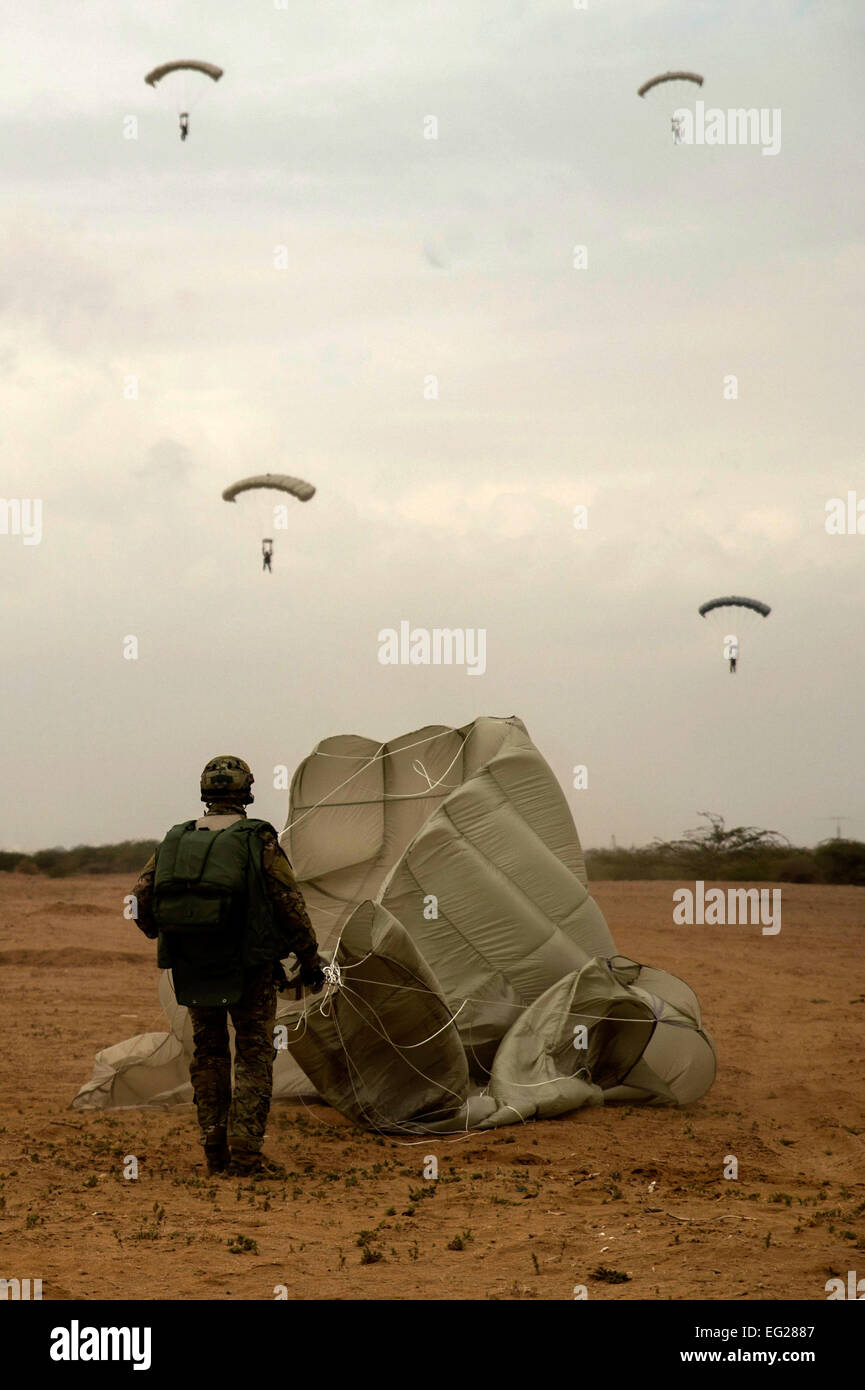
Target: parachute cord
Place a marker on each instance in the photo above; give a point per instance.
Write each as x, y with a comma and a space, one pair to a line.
399, 1127
406, 1047
352, 1068
401, 1048
378, 756
332, 983
501, 1003
367, 1013
382, 1032
418, 767
332, 974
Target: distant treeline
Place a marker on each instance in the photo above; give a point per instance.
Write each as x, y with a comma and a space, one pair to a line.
709, 852
743, 853
126, 858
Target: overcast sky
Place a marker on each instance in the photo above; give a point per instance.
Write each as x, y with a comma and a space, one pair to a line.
408, 258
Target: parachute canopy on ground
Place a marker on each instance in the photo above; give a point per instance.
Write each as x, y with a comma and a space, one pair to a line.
281, 481
669, 77
445, 879
183, 65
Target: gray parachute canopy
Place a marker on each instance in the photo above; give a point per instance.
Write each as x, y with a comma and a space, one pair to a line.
183, 64
281, 481
669, 77
734, 601
473, 981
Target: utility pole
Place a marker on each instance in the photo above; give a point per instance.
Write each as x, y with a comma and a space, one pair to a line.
837, 820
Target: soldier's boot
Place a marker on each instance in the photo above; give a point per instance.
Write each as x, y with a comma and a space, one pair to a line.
216, 1152
249, 1163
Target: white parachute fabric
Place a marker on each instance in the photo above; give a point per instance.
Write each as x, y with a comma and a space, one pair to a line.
151, 1069
444, 877
380, 1046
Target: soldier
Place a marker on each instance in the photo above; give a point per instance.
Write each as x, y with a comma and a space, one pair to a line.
221, 896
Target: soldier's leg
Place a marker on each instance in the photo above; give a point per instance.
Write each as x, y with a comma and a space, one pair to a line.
210, 1073
253, 1017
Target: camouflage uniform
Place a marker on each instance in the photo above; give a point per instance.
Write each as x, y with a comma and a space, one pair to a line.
246, 1111
240, 1118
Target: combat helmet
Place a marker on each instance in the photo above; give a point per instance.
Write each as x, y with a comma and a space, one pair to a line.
227, 779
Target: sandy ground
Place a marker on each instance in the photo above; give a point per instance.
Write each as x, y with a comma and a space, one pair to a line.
629, 1202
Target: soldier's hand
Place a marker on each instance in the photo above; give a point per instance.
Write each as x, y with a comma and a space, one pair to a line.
311, 973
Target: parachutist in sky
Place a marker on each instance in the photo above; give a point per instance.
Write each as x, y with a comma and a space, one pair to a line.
723, 609
281, 482
177, 73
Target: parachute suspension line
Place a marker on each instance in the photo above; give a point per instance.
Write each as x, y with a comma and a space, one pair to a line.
579, 1074
333, 975
352, 1070
418, 767
343, 757
379, 800
406, 1047
403, 1127
332, 983
377, 757
382, 1032
523, 1008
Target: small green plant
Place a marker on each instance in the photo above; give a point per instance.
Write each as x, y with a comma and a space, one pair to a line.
610, 1276
242, 1245
461, 1241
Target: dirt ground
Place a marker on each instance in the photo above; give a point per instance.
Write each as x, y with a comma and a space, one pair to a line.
631, 1203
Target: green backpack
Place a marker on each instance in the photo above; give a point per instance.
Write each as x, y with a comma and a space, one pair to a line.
206, 889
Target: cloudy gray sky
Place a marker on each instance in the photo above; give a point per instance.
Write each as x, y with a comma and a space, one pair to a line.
408, 258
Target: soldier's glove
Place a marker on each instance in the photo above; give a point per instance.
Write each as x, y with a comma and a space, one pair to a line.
311, 974
280, 979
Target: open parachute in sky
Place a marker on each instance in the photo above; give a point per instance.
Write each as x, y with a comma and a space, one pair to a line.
279, 482
473, 980
730, 616
183, 80
668, 80
670, 92
282, 482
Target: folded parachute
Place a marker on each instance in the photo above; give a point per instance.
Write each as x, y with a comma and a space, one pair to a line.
474, 981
